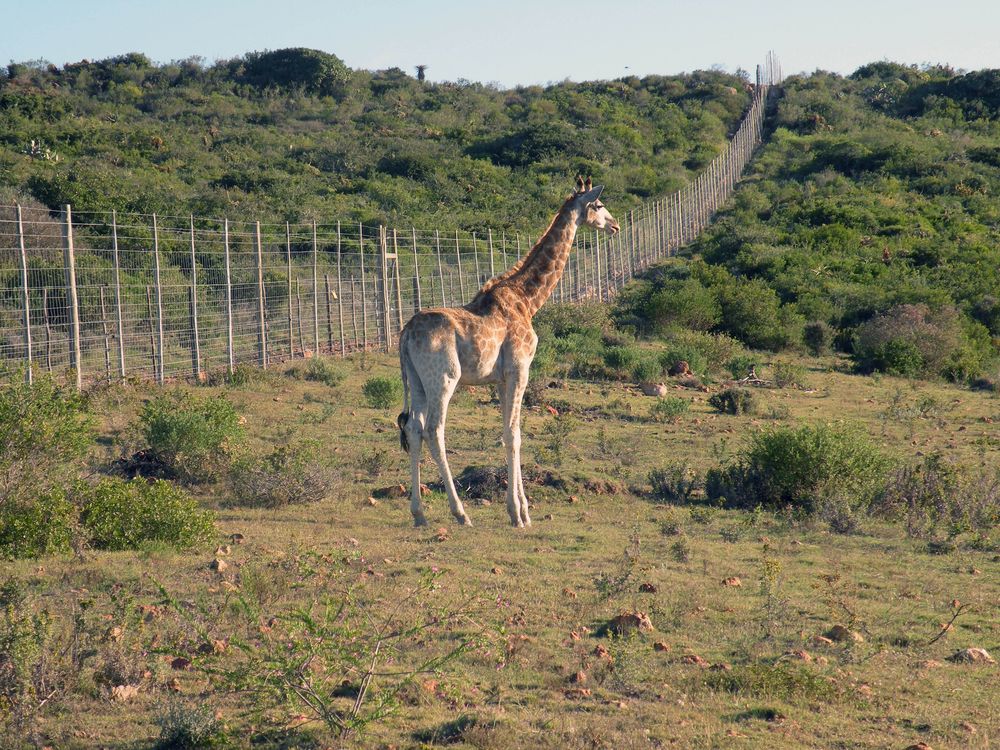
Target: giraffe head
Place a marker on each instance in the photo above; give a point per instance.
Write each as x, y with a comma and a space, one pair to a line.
593, 213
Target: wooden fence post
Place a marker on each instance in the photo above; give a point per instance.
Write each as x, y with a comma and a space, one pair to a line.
229, 300
475, 255
329, 316
399, 290
149, 327
458, 259
298, 315
489, 239
416, 274
158, 292
196, 344
104, 330
315, 260
364, 291
437, 248
340, 301
288, 280
118, 296
261, 333
69, 265
48, 329
25, 295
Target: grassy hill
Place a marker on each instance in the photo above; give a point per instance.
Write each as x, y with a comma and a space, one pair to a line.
296, 135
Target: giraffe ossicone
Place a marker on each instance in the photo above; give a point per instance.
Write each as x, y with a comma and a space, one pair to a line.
489, 340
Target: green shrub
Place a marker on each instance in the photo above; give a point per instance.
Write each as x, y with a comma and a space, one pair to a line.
289, 474
382, 393
120, 515
669, 409
798, 467
189, 727
787, 374
752, 312
41, 525
818, 337
622, 358
734, 401
674, 483
647, 370
44, 431
687, 304
195, 437
318, 370
742, 365
710, 350
679, 353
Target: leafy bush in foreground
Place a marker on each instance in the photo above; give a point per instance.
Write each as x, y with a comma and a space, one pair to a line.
194, 436
798, 467
119, 515
734, 401
41, 525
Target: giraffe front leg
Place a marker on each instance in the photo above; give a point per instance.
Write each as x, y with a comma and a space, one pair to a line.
437, 414
414, 435
513, 391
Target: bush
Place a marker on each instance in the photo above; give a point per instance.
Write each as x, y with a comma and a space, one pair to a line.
914, 340
752, 312
710, 350
41, 525
786, 374
675, 354
44, 431
290, 474
622, 359
185, 727
742, 365
646, 370
669, 409
194, 437
120, 515
818, 337
382, 393
688, 304
734, 401
673, 484
786, 466
318, 370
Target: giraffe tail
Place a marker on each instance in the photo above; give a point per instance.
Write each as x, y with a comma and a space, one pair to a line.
404, 416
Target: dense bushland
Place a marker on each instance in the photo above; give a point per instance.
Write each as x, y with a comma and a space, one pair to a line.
295, 135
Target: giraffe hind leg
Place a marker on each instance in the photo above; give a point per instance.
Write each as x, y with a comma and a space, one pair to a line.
437, 411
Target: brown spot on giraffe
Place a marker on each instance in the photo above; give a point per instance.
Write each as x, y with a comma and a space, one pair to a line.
489, 340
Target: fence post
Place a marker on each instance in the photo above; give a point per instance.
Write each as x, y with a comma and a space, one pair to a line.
416, 273
383, 293
158, 290
48, 329
25, 297
399, 289
354, 312
69, 264
458, 258
364, 291
149, 327
475, 255
104, 330
340, 300
229, 299
298, 315
118, 295
437, 248
315, 292
288, 280
597, 269
196, 350
261, 333
329, 316
489, 239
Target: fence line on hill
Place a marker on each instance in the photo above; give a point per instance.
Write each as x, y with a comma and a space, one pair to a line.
113, 296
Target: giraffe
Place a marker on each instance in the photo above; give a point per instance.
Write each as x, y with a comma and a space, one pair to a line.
489, 340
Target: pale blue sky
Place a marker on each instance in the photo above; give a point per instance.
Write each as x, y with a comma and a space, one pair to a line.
517, 41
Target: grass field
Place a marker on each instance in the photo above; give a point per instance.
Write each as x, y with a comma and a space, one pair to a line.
733, 666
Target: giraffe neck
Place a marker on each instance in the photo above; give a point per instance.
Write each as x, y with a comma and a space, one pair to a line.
537, 274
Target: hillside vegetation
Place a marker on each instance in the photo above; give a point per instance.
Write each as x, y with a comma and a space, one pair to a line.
868, 221
296, 135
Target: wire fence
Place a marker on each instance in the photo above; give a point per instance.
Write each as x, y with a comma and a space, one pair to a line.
113, 296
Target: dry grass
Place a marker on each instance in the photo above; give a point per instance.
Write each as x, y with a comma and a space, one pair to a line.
549, 585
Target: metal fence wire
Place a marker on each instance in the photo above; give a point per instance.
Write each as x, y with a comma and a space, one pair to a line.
117, 295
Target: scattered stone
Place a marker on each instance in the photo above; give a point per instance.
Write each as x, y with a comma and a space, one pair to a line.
658, 390
396, 490
213, 647
574, 636
628, 622
648, 588
236, 538
679, 369
579, 678
967, 727
114, 634
661, 646
547, 517
919, 746
124, 693
442, 534
577, 693
601, 652
721, 667
180, 663
568, 592
693, 659
218, 565
371, 502
840, 634
174, 685
930, 664
223, 549
496, 570
972, 656
573, 499
149, 612
732, 582
821, 640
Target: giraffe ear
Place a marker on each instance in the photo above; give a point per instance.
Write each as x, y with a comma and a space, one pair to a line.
593, 194
588, 184
579, 183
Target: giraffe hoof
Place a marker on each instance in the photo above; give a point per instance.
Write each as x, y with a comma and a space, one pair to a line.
419, 521
465, 520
